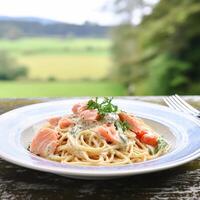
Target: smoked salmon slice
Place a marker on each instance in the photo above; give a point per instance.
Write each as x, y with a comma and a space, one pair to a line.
54, 121
149, 139
135, 124
109, 133
142, 130
79, 107
86, 114
89, 115
65, 123
45, 142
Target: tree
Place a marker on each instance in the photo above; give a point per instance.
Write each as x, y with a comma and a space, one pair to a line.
173, 40
166, 54
126, 9
9, 69
125, 48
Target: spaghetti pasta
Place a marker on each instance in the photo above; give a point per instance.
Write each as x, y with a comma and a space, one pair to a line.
99, 139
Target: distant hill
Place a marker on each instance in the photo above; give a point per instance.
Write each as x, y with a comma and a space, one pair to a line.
28, 19
16, 27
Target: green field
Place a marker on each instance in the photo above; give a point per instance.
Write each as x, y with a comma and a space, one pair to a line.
59, 89
63, 59
66, 67
70, 61
57, 46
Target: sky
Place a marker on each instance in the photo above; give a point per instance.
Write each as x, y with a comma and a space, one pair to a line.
70, 11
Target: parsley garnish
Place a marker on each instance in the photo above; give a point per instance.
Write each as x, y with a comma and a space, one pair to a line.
104, 107
122, 125
162, 144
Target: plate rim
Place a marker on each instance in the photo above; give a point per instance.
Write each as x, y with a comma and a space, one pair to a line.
123, 172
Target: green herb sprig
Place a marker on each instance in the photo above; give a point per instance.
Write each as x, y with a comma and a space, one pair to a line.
104, 107
162, 144
121, 127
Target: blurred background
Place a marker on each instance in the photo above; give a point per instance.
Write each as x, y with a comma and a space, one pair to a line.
99, 47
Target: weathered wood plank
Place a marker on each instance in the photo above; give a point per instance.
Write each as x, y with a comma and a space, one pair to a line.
20, 183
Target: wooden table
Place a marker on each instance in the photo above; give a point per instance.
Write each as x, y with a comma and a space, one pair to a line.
20, 183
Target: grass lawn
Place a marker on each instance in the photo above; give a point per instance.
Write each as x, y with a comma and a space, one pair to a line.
59, 89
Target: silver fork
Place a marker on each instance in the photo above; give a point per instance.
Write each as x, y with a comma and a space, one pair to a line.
177, 103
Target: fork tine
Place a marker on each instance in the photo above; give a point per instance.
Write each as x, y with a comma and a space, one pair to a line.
188, 106
175, 103
182, 106
170, 103
167, 101
179, 107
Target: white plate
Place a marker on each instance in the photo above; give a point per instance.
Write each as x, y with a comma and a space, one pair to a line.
18, 126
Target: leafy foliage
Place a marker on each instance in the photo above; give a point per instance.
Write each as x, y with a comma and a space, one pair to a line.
9, 69
162, 54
